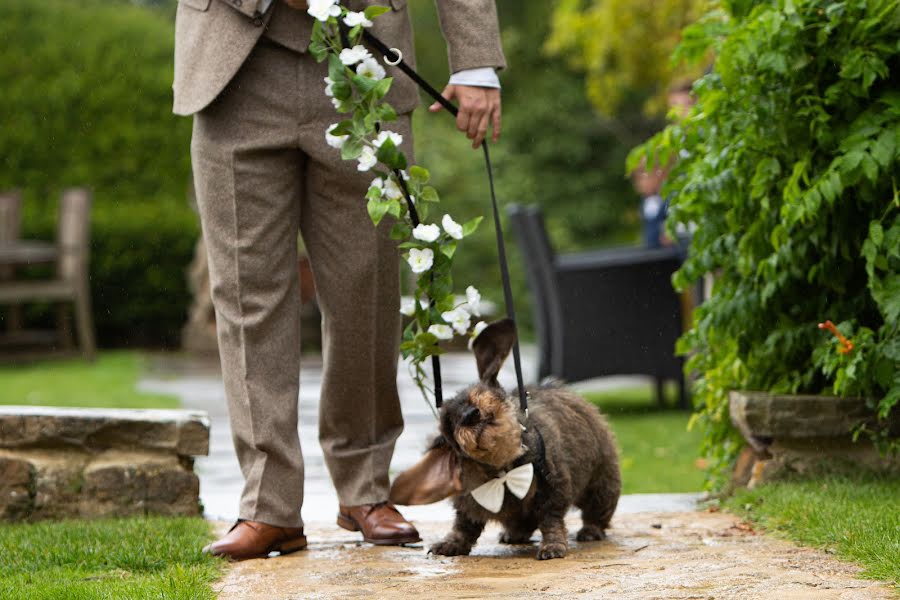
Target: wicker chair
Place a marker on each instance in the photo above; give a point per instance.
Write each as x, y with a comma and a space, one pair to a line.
603, 312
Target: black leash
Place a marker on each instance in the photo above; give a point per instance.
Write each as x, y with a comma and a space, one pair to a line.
398, 62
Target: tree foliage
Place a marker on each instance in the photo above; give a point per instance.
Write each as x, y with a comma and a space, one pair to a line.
87, 101
790, 167
624, 47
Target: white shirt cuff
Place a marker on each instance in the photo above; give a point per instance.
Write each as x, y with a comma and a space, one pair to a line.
480, 77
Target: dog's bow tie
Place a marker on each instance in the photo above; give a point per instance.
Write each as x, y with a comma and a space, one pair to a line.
518, 480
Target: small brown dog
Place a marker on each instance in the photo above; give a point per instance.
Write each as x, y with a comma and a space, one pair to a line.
526, 479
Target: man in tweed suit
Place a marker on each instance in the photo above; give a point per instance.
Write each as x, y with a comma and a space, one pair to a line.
262, 172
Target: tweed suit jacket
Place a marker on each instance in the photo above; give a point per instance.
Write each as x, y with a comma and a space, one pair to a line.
214, 37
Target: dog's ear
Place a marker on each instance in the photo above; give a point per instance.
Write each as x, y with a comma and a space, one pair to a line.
491, 348
435, 477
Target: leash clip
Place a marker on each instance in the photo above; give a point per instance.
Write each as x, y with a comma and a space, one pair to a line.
396, 62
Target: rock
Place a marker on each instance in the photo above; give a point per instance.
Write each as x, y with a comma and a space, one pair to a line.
16, 493
71, 463
184, 432
796, 434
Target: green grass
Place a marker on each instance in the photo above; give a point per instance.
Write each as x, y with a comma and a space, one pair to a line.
656, 452
109, 382
132, 558
110, 559
857, 518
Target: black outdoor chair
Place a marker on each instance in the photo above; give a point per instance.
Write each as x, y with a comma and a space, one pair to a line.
603, 312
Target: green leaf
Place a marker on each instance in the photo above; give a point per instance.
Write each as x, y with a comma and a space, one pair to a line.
364, 84
352, 148
429, 194
377, 209
394, 208
341, 90
336, 69
386, 112
419, 174
345, 127
381, 88
372, 12
469, 227
390, 155
448, 249
400, 231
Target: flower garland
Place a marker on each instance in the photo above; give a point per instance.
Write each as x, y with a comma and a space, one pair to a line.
357, 85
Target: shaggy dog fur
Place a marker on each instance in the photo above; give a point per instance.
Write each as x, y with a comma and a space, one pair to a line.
481, 436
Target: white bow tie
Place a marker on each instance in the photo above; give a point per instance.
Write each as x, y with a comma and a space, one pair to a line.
518, 480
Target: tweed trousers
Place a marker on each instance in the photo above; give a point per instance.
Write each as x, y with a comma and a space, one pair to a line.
262, 173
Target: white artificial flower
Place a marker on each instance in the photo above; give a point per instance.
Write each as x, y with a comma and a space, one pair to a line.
351, 56
370, 68
479, 327
426, 233
473, 301
441, 332
367, 159
459, 319
385, 135
329, 87
392, 190
452, 228
352, 19
322, 9
335, 141
408, 306
420, 260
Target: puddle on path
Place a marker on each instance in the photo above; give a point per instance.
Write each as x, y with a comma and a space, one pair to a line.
647, 556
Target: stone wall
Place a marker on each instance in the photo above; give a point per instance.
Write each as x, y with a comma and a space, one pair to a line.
82, 463
798, 434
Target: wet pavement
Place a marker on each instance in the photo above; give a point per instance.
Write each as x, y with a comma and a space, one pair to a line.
198, 384
647, 556
659, 546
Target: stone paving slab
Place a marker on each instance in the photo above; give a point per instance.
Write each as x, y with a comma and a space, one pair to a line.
647, 556
180, 431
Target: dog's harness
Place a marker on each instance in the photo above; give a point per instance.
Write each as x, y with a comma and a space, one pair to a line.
394, 57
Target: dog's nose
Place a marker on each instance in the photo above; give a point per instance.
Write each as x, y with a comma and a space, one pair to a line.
470, 416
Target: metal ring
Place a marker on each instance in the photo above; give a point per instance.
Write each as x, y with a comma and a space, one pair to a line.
396, 62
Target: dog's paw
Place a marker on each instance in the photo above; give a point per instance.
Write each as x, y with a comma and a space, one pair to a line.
590, 533
551, 550
518, 537
450, 548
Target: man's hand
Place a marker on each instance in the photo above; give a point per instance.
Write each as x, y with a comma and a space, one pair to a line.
478, 108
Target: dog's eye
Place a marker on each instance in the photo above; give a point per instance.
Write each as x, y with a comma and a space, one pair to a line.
470, 416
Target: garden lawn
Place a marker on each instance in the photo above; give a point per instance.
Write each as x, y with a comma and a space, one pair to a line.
109, 382
857, 518
133, 558
656, 451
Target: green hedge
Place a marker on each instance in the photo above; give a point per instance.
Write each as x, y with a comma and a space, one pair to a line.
86, 100
138, 271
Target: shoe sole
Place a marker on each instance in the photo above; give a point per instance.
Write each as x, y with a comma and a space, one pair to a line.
351, 525
283, 548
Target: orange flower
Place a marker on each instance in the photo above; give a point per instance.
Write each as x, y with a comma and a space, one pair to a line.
846, 345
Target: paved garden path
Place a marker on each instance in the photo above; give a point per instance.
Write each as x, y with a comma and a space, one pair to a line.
659, 546
647, 556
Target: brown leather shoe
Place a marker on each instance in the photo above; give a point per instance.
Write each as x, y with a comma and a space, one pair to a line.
380, 524
251, 539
